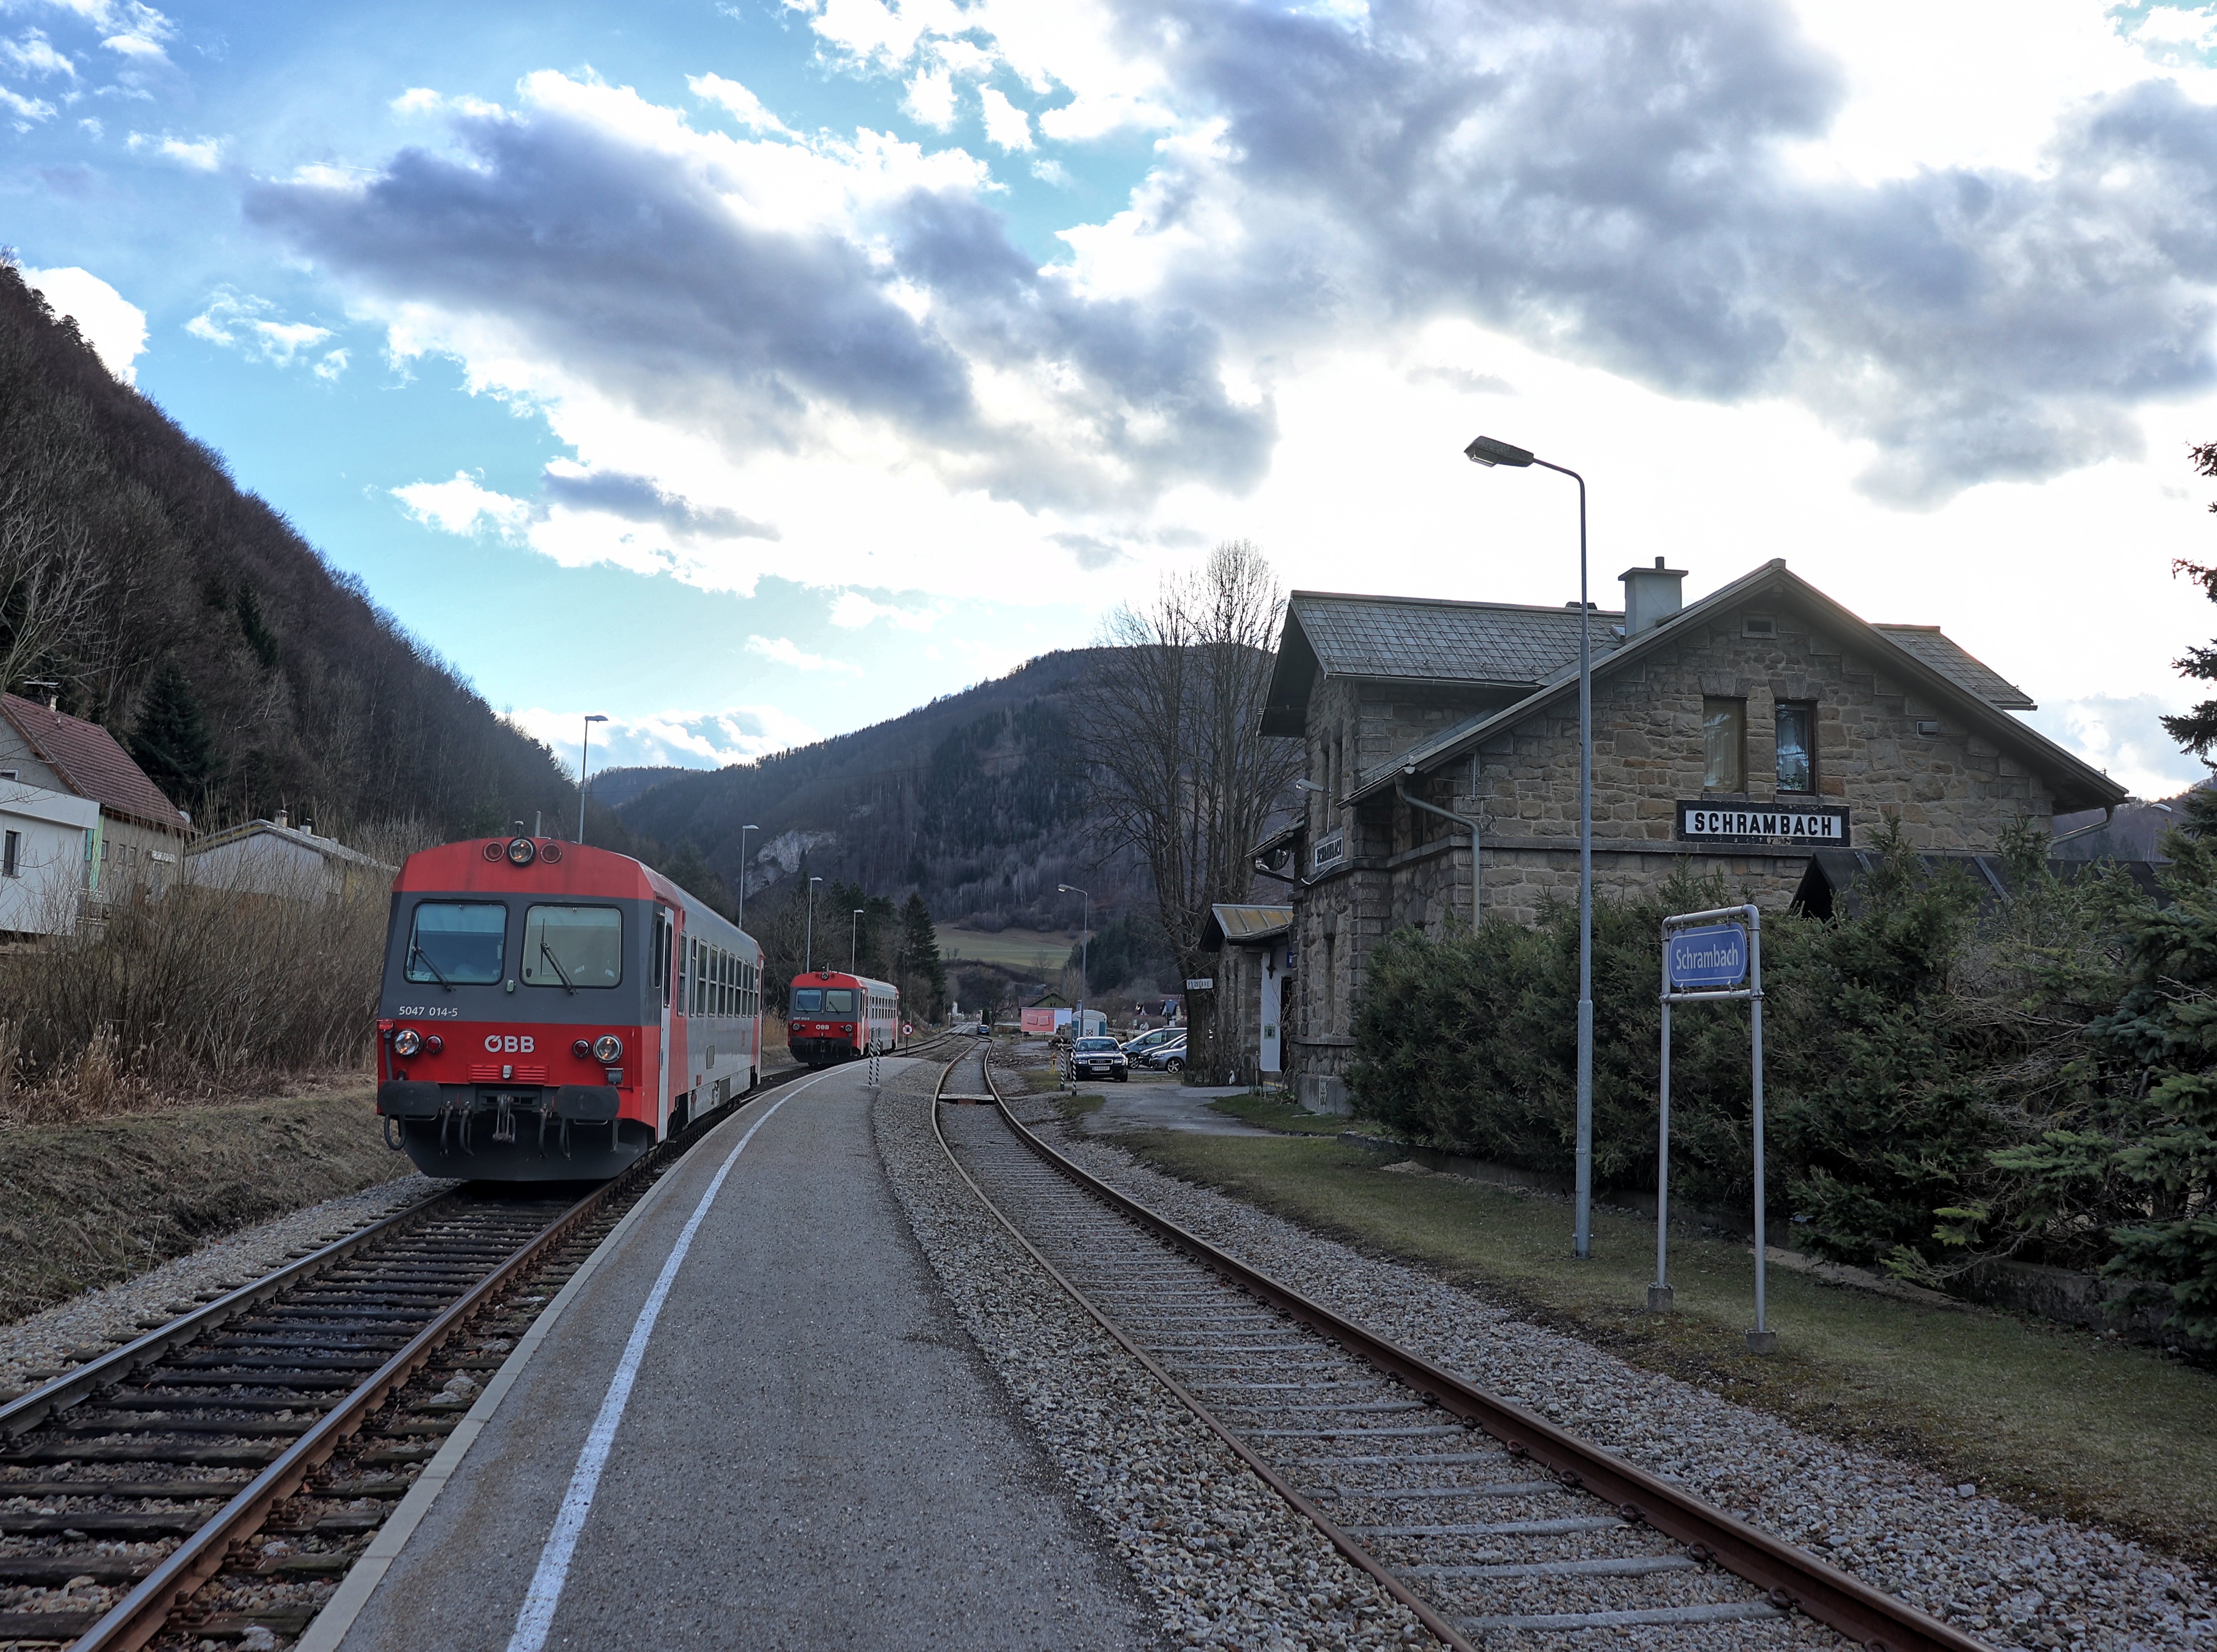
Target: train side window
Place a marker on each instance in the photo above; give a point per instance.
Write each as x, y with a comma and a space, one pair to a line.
573, 946
657, 962
457, 943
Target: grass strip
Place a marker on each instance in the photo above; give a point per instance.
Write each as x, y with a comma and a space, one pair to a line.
2058, 1421
1274, 1112
90, 1204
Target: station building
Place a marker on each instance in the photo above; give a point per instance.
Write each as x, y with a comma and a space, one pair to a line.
1741, 733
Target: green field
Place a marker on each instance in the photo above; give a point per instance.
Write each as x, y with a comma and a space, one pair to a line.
1026, 950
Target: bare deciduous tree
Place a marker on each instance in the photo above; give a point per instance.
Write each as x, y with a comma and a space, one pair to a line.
1170, 725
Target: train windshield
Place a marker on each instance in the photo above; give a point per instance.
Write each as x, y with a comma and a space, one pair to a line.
573, 946
807, 1001
457, 943
838, 1001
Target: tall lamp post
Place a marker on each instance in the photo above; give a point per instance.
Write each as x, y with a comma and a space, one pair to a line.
808, 944
854, 929
1488, 452
1084, 949
739, 921
585, 751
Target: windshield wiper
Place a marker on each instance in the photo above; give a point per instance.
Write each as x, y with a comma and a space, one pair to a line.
418, 954
548, 952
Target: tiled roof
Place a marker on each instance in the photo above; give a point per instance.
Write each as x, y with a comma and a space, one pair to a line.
1943, 656
1455, 642
330, 847
88, 759
2071, 780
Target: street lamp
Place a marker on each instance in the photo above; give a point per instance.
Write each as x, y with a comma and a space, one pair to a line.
1084, 949
1488, 452
739, 921
585, 751
854, 928
808, 945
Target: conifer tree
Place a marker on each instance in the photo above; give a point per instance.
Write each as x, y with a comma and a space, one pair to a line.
2197, 730
172, 742
920, 955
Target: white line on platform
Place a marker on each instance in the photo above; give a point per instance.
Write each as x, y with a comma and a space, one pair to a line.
545, 1594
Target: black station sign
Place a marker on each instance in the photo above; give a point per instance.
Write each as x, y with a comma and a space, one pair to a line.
1711, 823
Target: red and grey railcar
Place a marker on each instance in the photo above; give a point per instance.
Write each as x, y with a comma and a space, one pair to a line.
551, 1010
832, 1017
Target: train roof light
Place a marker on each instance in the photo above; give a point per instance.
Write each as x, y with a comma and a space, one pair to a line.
521, 851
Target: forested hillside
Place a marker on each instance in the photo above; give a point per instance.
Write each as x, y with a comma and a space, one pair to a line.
975, 799
188, 618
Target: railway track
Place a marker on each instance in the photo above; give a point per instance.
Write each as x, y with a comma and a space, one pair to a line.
215, 1479
1493, 1525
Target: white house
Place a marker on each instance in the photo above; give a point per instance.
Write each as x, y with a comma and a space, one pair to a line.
274, 857
47, 842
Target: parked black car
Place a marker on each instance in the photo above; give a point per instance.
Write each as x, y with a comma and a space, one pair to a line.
1099, 1058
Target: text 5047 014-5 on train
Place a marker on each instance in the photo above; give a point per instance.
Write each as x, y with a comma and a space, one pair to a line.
551, 1010
830, 1017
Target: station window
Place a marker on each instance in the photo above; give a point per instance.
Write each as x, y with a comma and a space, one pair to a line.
1724, 745
1797, 748
573, 946
11, 856
457, 943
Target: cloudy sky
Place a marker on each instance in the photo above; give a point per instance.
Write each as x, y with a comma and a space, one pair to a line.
750, 371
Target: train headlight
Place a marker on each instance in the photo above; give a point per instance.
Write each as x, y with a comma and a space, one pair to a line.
607, 1047
521, 851
407, 1041
582, 1049
433, 1044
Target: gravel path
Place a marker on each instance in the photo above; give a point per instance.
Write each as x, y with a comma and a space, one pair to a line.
46, 1344
1222, 1560
2012, 1579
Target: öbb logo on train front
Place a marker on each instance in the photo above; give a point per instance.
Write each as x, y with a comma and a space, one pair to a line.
508, 1043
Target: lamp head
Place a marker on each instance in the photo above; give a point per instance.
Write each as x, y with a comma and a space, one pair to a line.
1304, 784
595, 717
1485, 450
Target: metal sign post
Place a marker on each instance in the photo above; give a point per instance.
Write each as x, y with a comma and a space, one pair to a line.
1707, 956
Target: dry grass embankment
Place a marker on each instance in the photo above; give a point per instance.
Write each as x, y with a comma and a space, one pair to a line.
92, 1203
2057, 1419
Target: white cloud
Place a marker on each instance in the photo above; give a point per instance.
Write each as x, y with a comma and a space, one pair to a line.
136, 45
242, 322
1007, 126
1053, 172
201, 154
784, 651
463, 506
2122, 736
930, 98
683, 739
112, 324
736, 101
25, 109
852, 611
32, 53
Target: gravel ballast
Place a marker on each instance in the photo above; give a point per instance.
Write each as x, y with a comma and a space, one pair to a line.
1222, 1559
46, 1344
2012, 1579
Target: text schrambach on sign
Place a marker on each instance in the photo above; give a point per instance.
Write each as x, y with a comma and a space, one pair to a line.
1736, 823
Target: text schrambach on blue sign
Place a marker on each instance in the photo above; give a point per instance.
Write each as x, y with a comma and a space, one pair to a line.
1707, 959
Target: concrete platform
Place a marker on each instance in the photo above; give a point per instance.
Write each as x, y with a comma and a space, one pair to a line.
812, 1454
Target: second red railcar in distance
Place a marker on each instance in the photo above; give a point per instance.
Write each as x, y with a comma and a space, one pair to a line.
832, 1017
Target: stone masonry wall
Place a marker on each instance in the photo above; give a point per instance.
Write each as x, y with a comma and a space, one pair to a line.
1950, 791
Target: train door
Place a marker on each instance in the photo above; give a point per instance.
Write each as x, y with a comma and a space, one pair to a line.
666, 957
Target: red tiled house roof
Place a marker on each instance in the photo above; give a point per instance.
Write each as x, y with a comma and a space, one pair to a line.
91, 763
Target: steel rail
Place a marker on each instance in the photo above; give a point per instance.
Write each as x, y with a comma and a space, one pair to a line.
1436, 1626
139, 1616
26, 1412
1790, 1576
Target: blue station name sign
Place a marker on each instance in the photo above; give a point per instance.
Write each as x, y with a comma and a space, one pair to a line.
1700, 822
1708, 957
